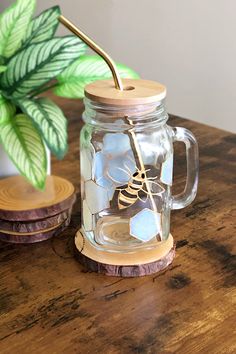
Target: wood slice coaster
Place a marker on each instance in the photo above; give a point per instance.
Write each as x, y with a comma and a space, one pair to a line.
37, 237
19, 201
136, 264
29, 233
34, 226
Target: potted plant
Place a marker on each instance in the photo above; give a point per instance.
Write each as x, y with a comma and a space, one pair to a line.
32, 61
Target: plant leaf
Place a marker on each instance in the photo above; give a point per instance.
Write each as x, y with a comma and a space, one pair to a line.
13, 26
50, 121
25, 148
71, 81
39, 63
7, 110
2, 60
3, 68
42, 27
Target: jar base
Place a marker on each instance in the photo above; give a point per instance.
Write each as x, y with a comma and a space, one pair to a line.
138, 263
113, 235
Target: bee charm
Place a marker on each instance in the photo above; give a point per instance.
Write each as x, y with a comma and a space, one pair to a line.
136, 185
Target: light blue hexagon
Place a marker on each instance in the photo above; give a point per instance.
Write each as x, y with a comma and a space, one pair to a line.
115, 144
120, 169
99, 165
96, 197
115, 164
86, 158
145, 225
108, 185
167, 171
88, 217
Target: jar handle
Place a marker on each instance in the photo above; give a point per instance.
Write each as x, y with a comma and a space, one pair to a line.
183, 199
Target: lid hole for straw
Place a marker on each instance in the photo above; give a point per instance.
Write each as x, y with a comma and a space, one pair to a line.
128, 88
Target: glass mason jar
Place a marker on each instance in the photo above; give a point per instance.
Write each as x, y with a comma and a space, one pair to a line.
126, 174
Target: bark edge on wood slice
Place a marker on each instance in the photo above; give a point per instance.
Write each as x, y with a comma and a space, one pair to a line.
30, 233
41, 236
19, 201
34, 225
134, 264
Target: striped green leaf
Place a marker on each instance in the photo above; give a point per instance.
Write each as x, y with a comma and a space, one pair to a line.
39, 63
2, 60
50, 121
42, 27
25, 148
71, 81
13, 26
3, 68
7, 110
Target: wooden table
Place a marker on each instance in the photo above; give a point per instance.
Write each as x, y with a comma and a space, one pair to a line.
50, 304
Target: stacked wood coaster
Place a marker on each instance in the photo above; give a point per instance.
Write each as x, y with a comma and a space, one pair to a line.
28, 215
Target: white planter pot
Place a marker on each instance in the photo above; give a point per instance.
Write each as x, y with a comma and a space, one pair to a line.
7, 168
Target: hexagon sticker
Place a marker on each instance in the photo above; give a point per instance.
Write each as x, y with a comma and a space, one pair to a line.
145, 225
120, 169
116, 144
86, 158
108, 185
87, 217
96, 197
167, 171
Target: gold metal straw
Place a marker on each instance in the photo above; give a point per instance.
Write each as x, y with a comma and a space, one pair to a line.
118, 85
96, 48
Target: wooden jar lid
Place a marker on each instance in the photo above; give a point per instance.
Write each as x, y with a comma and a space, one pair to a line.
19, 201
135, 92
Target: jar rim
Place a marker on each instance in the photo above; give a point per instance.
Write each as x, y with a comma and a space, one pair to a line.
101, 113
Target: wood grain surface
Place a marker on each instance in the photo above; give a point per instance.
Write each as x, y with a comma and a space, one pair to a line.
50, 304
19, 201
135, 91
